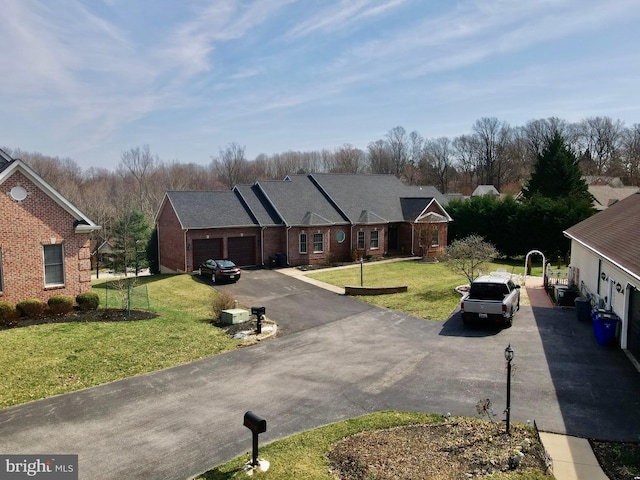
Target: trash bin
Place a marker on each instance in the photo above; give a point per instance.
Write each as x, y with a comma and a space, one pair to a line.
583, 308
605, 325
273, 261
281, 259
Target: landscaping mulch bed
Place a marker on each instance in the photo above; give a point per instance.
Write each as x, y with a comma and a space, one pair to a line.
619, 460
99, 315
458, 449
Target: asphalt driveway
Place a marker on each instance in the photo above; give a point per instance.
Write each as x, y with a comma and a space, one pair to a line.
338, 358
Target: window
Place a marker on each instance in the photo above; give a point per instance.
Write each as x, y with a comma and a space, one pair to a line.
435, 237
340, 236
303, 243
375, 242
360, 240
1, 285
318, 242
53, 265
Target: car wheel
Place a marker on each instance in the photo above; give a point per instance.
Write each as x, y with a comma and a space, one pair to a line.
508, 322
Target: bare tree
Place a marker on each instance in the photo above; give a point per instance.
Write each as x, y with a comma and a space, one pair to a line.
631, 155
348, 159
467, 155
137, 164
493, 137
229, 165
439, 157
380, 158
600, 141
398, 144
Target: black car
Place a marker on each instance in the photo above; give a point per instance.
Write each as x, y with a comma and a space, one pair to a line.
220, 270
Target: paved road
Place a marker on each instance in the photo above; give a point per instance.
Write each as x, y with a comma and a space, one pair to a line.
337, 359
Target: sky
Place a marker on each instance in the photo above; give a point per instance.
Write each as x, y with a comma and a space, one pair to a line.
88, 80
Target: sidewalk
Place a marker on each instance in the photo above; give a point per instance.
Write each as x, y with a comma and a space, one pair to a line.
572, 457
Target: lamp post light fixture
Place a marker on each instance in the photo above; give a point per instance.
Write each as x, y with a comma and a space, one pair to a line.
508, 355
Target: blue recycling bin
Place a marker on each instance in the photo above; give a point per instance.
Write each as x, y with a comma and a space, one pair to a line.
605, 324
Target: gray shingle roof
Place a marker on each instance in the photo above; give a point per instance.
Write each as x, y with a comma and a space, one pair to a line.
614, 233
262, 210
5, 160
297, 200
210, 209
380, 196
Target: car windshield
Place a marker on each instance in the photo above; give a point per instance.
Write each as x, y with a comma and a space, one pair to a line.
225, 263
489, 291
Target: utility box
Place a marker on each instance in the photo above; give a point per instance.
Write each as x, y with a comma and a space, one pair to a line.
234, 315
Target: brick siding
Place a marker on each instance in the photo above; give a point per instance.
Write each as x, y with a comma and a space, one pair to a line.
26, 227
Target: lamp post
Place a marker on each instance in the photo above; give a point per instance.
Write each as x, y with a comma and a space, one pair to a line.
508, 355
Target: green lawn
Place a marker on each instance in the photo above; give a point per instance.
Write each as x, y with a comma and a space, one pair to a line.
44, 360
431, 293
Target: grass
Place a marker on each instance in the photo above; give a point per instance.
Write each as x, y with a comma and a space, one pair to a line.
44, 360
431, 293
305, 455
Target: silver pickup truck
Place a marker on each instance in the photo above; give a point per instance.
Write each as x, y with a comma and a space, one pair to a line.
491, 298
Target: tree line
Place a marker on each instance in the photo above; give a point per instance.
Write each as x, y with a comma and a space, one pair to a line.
492, 153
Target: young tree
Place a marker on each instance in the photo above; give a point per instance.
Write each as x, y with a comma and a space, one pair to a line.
131, 235
468, 255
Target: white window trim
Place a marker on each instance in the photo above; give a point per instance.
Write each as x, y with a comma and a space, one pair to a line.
306, 243
314, 243
371, 247
44, 267
435, 232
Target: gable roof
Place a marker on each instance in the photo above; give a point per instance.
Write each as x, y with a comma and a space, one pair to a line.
605, 195
482, 190
256, 202
209, 209
9, 167
297, 200
384, 198
614, 234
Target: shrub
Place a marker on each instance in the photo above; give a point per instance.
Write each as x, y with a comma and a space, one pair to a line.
88, 301
31, 307
222, 301
8, 314
60, 304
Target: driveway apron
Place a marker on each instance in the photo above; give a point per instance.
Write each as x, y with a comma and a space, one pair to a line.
338, 358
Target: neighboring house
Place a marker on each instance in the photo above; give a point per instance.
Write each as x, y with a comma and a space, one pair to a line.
485, 191
605, 256
102, 253
301, 220
605, 195
44, 239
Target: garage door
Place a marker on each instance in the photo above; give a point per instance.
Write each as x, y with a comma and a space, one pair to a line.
205, 249
242, 250
633, 332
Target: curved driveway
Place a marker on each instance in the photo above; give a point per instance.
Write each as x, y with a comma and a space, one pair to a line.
336, 358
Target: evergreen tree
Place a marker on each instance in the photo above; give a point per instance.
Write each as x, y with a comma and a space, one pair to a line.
131, 235
556, 173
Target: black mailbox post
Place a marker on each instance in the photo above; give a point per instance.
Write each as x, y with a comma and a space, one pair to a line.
259, 313
257, 426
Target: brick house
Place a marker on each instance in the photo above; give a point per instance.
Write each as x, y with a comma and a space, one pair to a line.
301, 220
44, 239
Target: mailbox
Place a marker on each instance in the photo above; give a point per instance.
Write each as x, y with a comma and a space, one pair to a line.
259, 313
254, 423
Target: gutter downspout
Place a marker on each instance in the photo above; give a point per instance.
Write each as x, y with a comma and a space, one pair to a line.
185, 249
262, 244
287, 253
412, 238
